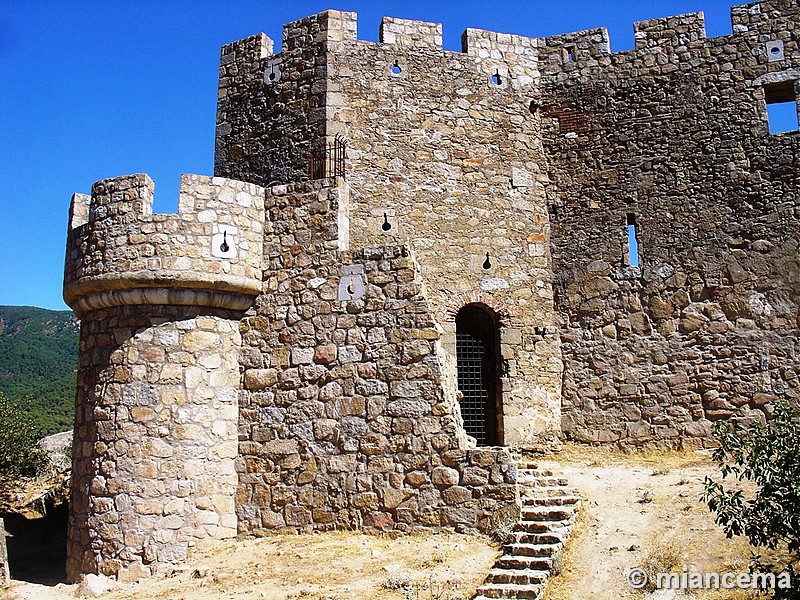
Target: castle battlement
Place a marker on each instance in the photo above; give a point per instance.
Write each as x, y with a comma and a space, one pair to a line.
209, 253
669, 34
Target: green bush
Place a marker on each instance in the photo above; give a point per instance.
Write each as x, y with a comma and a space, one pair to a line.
768, 455
20, 455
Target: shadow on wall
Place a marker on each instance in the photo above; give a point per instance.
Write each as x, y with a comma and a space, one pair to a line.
37, 548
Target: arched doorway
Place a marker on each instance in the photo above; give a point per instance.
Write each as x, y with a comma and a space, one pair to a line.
478, 358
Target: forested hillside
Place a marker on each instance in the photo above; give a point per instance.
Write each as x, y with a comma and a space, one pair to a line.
38, 357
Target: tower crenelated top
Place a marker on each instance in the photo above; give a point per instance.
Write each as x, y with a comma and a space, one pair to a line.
208, 254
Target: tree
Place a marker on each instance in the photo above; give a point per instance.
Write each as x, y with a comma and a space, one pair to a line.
767, 454
20, 454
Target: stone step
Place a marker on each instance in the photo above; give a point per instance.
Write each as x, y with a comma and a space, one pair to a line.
521, 550
539, 526
541, 481
536, 563
565, 500
509, 590
531, 527
525, 488
550, 537
534, 472
517, 576
548, 513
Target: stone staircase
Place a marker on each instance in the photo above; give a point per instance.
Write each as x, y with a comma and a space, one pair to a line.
549, 509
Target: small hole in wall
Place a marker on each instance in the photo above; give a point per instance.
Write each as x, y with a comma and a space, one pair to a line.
386, 225
496, 79
396, 69
271, 76
487, 264
775, 51
224, 246
533, 107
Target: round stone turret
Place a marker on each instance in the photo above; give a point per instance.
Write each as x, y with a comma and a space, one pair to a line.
156, 420
209, 254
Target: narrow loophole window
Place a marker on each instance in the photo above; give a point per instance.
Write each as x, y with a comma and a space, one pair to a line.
633, 242
570, 55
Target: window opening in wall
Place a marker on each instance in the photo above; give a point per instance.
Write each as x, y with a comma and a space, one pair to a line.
496, 79
781, 107
478, 359
487, 264
396, 69
570, 55
633, 241
386, 225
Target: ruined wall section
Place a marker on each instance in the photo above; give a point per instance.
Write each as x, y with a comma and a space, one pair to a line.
673, 137
271, 111
344, 422
156, 412
457, 166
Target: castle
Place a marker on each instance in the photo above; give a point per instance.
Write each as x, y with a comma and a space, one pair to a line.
411, 262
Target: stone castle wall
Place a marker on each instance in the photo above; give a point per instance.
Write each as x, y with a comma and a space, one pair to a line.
344, 419
281, 354
674, 136
456, 167
540, 151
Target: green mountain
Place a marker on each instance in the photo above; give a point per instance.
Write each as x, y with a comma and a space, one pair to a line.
38, 358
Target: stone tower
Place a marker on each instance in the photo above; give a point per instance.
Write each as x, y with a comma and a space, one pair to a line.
159, 297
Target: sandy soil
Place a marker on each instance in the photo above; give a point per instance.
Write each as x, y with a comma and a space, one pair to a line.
638, 510
326, 566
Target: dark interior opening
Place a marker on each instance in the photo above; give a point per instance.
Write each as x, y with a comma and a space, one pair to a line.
37, 548
478, 358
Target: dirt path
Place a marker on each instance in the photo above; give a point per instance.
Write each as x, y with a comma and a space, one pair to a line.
640, 511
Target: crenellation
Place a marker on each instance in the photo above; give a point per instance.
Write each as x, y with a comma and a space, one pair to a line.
580, 48
671, 34
247, 51
405, 33
759, 17
124, 254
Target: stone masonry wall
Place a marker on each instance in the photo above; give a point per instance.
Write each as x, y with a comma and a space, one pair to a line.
271, 112
457, 166
673, 137
155, 438
344, 422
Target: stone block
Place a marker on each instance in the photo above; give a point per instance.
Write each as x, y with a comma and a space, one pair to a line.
444, 476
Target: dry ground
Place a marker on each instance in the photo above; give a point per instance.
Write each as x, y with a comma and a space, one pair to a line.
326, 566
638, 510
641, 510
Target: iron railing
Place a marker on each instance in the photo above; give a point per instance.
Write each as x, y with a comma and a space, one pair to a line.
328, 161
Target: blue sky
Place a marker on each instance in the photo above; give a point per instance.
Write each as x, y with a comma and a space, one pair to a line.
92, 90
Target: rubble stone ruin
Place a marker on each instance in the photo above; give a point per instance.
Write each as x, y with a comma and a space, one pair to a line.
411, 262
